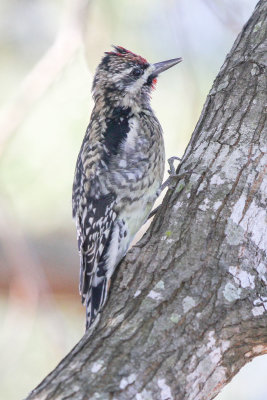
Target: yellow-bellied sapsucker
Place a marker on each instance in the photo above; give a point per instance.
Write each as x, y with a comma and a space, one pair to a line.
119, 169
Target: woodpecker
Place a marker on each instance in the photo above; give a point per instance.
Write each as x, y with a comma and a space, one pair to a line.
119, 170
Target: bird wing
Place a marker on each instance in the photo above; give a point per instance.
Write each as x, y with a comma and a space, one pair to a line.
93, 203
94, 227
95, 215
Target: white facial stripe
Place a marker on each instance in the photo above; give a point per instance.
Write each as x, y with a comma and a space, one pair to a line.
135, 87
118, 78
148, 71
143, 77
127, 71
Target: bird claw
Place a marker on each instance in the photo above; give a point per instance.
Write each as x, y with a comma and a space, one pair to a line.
170, 182
172, 171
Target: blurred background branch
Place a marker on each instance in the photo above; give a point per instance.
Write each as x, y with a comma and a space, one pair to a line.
47, 69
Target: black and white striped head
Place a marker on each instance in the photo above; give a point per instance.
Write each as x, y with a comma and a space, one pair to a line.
125, 75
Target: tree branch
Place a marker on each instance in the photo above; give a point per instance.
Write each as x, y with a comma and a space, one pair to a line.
187, 308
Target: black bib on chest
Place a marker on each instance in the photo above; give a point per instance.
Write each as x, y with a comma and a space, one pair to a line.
117, 129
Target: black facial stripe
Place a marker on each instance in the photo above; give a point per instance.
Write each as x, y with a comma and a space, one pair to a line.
150, 79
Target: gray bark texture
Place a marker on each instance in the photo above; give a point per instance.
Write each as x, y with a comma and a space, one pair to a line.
187, 307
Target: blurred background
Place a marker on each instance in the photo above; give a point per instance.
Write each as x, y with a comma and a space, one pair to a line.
49, 50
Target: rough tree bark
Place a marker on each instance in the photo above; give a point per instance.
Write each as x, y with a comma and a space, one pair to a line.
188, 305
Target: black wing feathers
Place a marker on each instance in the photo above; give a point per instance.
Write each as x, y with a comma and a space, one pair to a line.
93, 209
95, 229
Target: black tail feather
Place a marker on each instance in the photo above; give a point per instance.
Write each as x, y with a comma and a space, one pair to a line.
96, 301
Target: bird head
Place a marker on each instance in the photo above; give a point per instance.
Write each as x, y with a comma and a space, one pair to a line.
126, 77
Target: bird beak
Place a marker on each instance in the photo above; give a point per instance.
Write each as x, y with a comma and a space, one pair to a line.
164, 65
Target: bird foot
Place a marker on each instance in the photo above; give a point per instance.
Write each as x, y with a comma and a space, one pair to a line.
171, 160
173, 177
170, 182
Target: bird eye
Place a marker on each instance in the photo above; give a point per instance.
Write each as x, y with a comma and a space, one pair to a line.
137, 72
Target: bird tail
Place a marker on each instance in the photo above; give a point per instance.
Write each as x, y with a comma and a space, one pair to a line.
96, 301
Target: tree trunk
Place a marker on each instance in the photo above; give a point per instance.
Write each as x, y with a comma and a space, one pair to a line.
187, 308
